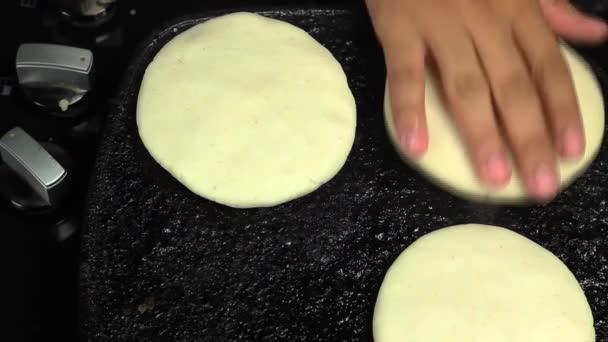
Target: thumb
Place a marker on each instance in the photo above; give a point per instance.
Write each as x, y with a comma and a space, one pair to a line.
569, 23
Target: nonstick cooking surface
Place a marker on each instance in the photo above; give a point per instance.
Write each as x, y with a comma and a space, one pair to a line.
162, 264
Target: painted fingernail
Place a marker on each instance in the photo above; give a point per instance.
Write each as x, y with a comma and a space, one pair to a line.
413, 143
572, 144
545, 182
497, 169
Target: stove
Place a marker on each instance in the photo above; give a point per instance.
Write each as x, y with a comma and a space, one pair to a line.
43, 271
42, 221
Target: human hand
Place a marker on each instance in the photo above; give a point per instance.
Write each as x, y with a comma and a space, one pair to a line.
490, 54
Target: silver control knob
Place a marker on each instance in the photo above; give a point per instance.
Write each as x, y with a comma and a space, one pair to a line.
54, 76
32, 163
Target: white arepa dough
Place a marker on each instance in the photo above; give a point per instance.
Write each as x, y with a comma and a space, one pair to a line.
479, 283
447, 163
247, 111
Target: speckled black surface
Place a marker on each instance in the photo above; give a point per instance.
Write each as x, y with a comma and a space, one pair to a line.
162, 264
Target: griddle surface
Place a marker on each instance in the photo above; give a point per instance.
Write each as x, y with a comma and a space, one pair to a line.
162, 264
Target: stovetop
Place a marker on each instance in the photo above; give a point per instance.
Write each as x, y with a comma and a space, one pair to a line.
43, 274
44, 266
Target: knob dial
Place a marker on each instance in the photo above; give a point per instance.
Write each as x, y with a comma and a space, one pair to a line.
54, 77
32, 175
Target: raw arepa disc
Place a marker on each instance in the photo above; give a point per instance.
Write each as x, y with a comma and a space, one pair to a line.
480, 283
446, 161
247, 111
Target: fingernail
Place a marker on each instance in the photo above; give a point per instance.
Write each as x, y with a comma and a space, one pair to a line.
602, 28
572, 143
497, 169
413, 143
545, 181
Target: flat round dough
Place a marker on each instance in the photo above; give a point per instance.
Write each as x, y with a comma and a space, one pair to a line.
247, 111
446, 161
479, 283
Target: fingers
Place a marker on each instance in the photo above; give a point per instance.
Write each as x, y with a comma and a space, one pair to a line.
469, 99
568, 22
406, 76
554, 82
518, 104
502, 73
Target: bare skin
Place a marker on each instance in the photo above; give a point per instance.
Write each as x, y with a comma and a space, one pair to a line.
503, 75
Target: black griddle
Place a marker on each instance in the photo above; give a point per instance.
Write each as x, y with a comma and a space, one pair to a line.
162, 264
